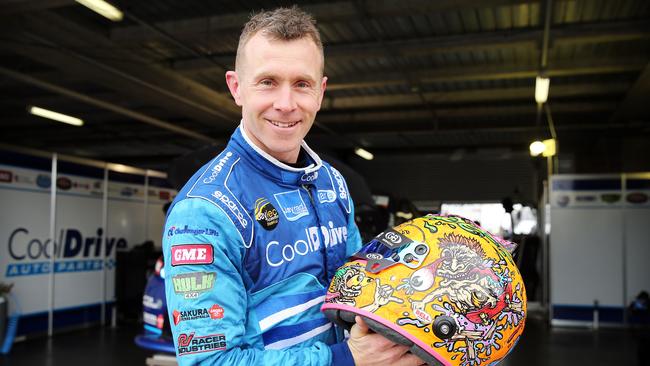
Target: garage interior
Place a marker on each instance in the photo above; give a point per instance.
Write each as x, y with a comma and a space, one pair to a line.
441, 93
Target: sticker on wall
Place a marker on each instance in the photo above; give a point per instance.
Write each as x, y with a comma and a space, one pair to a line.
563, 201
43, 181
63, 183
6, 176
610, 197
637, 197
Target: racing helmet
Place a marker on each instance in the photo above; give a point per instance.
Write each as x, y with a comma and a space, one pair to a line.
439, 284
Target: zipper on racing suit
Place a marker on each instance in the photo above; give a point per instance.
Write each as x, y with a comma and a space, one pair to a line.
323, 249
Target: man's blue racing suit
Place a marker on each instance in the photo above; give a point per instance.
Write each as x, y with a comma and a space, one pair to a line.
250, 246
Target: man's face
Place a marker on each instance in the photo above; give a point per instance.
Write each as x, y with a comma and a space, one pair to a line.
280, 87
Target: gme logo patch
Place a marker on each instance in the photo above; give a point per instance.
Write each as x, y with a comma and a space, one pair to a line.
192, 254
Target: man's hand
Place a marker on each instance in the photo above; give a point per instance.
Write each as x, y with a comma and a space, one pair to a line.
373, 349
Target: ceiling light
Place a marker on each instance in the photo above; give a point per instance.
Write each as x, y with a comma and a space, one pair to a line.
541, 89
536, 148
546, 148
37, 111
103, 8
363, 153
549, 147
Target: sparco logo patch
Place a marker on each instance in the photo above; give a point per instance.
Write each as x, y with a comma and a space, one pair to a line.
232, 206
343, 193
191, 254
189, 343
266, 214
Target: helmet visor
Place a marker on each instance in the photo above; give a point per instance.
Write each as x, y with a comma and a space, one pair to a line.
390, 248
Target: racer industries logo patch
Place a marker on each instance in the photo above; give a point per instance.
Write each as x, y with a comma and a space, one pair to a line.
189, 343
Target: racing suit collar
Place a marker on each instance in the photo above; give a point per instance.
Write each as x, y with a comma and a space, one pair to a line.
271, 166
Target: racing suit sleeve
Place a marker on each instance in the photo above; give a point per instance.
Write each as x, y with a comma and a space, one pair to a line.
206, 296
353, 242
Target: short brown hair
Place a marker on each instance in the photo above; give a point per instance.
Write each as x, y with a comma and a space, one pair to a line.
284, 24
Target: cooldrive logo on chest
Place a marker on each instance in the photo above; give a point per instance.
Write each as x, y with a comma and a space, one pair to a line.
216, 169
189, 344
214, 312
278, 253
192, 254
73, 251
191, 285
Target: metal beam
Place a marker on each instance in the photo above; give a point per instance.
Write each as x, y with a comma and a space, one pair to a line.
341, 11
125, 84
476, 95
332, 118
14, 7
59, 42
104, 105
515, 38
454, 137
487, 72
635, 104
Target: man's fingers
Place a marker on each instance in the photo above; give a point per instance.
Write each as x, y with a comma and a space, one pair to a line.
396, 299
409, 359
360, 329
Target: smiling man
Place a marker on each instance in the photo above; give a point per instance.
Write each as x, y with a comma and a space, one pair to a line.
268, 222
279, 84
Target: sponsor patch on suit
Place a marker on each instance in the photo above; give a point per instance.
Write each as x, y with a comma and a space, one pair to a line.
291, 205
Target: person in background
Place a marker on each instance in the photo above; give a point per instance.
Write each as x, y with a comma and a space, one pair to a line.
254, 237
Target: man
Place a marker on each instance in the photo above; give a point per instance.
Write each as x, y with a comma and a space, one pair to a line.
253, 239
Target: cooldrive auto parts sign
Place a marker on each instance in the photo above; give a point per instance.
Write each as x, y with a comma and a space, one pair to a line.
73, 252
84, 250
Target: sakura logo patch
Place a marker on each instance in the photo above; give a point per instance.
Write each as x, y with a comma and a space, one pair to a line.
192, 254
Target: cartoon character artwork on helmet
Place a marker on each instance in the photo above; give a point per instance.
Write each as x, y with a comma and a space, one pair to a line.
439, 284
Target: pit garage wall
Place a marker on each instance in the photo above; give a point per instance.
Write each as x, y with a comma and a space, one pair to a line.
82, 283
599, 245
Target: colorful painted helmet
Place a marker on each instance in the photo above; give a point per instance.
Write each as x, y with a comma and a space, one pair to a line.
439, 284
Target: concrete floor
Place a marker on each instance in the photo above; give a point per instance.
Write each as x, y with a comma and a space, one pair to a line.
539, 346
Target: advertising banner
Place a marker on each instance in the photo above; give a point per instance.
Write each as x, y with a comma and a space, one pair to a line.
82, 247
598, 245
